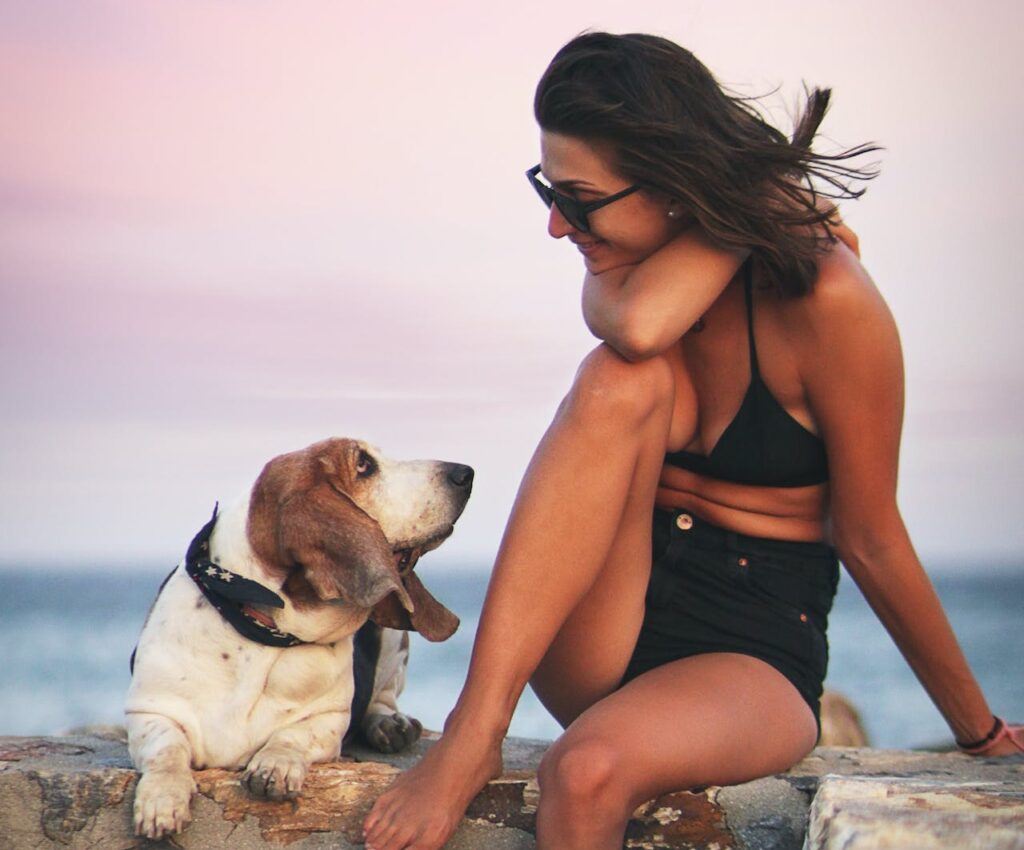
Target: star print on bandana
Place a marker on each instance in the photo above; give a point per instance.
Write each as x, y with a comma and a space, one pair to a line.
231, 594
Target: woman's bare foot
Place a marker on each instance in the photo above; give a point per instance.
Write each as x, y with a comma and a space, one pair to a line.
423, 807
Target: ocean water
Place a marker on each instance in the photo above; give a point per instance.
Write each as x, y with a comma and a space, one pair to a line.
66, 637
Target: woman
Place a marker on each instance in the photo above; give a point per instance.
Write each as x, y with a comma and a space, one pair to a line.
748, 396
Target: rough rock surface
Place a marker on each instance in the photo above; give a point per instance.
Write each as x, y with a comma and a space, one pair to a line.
76, 792
876, 813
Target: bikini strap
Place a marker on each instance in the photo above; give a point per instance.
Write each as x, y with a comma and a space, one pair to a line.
748, 291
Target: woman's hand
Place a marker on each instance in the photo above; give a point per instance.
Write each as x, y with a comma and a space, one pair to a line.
840, 230
641, 310
843, 233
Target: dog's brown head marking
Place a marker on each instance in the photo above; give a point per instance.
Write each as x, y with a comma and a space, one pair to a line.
337, 520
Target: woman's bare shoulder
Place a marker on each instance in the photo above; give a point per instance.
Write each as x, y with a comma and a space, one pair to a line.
844, 303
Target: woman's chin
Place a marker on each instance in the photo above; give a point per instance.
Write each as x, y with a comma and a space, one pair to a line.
599, 262
599, 265
603, 257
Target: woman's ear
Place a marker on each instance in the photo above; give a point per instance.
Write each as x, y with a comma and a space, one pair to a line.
678, 214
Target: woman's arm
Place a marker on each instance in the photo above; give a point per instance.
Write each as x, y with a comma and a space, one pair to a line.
641, 310
854, 379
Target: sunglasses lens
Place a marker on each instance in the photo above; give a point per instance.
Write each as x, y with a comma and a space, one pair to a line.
569, 208
572, 213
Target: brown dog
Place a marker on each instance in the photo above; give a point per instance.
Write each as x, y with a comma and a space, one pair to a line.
246, 658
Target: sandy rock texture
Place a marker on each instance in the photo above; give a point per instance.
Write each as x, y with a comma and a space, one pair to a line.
76, 792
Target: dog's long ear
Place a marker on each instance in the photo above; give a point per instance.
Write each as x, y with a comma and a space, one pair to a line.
429, 617
343, 551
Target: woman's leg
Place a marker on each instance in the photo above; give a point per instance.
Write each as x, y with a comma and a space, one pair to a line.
568, 583
716, 719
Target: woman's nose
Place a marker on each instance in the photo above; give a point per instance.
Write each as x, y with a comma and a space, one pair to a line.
557, 225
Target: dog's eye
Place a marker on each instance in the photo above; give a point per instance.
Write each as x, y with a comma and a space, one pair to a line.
365, 465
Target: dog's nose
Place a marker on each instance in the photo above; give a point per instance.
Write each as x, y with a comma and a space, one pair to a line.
460, 475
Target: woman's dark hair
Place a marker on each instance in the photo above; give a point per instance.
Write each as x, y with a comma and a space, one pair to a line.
674, 130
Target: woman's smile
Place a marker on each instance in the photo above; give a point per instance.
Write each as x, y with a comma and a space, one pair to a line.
587, 246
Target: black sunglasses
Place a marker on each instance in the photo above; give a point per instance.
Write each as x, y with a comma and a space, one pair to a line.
574, 212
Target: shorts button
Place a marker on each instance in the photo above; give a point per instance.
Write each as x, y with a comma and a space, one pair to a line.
803, 618
684, 522
743, 562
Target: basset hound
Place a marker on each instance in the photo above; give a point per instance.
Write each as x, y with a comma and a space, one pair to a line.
279, 632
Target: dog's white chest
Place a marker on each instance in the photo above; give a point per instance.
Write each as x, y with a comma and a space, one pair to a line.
298, 681
227, 693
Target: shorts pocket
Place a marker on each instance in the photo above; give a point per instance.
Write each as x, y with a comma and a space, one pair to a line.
779, 597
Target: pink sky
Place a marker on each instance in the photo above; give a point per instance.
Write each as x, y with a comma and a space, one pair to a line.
229, 229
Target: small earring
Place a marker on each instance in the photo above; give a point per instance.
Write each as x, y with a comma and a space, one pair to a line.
672, 213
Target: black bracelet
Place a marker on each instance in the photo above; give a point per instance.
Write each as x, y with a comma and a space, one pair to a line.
974, 745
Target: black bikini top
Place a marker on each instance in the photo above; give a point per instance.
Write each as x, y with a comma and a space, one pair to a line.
763, 444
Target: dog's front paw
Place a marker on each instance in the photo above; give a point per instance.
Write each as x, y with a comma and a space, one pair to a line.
276, 774
162, 803
390, 733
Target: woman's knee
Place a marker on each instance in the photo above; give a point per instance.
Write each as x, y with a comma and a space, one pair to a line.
583, 778
608, 385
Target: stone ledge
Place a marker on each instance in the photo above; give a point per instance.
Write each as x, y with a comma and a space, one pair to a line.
875, 813
76, 792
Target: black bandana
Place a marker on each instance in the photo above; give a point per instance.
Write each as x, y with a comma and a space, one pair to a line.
230, 593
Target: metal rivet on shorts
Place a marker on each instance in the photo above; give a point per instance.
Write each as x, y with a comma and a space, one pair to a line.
743, 562
684, 521
803, 618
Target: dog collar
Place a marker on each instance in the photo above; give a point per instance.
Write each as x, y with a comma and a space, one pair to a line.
232, 594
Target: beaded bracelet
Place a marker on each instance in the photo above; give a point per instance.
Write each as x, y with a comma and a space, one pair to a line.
977, 746
1000, 731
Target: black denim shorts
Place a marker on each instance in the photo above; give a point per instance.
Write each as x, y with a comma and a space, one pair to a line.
713, 590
